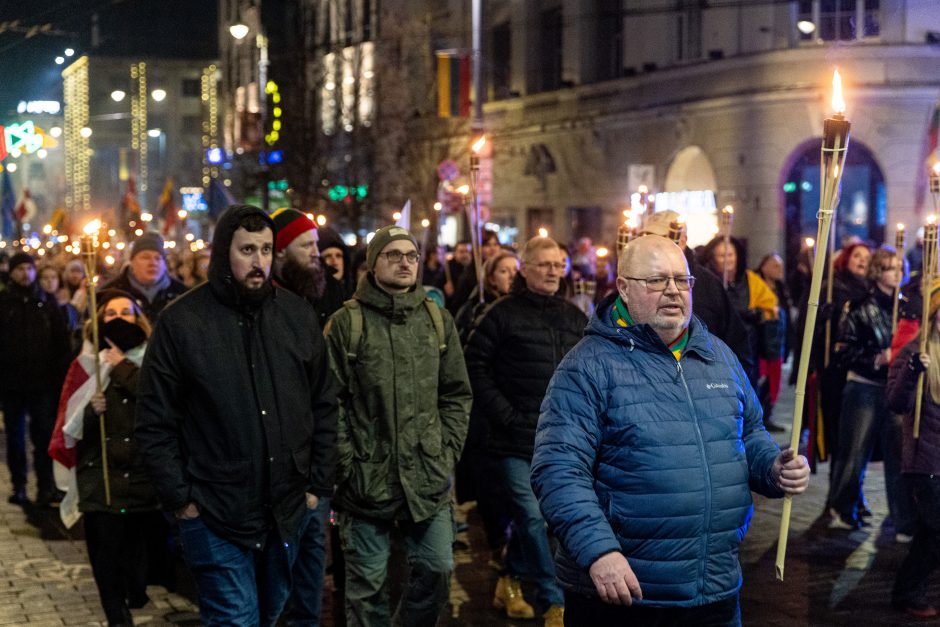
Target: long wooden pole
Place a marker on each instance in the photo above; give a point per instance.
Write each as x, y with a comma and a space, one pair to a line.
832, 159
899, 250
928, 272
89, 251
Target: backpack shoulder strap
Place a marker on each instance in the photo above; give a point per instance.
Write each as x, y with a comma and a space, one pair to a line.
355, 329
435, 312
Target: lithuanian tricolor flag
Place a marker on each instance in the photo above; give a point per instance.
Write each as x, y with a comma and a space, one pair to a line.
453, 84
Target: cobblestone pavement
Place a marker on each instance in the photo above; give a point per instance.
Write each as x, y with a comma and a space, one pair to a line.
832, 577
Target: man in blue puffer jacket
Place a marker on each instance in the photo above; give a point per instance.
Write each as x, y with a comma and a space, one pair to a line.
648, 445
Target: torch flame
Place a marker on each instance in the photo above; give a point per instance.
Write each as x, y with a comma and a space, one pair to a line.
478, 144
543, 232
92, 227
936, 168
931, 219
900, 226
838, 103
728, 209
643, 189
810, 242
680, 220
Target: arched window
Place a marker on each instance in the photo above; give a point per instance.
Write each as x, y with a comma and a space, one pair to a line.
862, 206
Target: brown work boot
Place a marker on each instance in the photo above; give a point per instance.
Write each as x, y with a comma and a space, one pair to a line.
555, 616
508, 596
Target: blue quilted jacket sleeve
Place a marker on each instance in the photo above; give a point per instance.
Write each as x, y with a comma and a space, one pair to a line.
566, 444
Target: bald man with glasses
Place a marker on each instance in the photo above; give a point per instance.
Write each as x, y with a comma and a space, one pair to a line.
649, 443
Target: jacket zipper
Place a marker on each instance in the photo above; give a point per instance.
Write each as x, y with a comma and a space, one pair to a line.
708, 479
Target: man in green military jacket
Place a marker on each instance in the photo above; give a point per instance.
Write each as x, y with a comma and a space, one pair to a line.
404, 407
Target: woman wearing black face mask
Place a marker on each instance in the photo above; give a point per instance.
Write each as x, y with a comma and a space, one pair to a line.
124, 537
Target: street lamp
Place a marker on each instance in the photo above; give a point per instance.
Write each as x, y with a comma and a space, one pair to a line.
117, 95
239, 31
85, 132
158, 94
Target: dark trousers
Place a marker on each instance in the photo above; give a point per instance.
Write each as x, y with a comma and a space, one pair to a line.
306, 595
119, 549
41, 409
910, 585
584, 611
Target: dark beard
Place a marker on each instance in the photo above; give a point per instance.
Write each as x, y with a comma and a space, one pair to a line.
308, 283
252, 297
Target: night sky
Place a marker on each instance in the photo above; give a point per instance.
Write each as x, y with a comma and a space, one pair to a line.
170, 28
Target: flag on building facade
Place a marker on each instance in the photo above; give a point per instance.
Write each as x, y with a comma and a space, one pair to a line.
25, 207
218, 198
454, 71
166, 207
59, 220
130, 208
7, 206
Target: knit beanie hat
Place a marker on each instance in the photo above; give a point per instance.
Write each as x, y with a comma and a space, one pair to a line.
289, 223
934, 296
21, 258
382, 238
150, 240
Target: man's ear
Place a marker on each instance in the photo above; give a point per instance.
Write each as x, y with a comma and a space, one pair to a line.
622, 289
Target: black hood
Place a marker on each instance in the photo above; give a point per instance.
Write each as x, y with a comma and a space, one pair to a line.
220, 268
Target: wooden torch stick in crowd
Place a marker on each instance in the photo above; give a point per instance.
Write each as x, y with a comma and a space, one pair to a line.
89, 243
727, 220
832, 159
829, 273
928, 274
476, 221
676, 227
899, 251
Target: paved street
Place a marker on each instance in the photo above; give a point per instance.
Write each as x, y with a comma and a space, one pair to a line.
832, 577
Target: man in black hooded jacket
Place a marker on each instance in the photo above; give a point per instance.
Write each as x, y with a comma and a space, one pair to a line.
237, 421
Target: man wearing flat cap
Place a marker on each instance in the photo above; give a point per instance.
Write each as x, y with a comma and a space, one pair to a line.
146, 278
404, 405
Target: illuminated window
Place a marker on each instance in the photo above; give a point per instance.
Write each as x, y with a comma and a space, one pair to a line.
838, 20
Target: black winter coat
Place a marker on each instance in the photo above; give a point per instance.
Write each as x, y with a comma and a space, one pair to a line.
237, 405
511, 356
131, 489
35, 347
711, 305
153, 309
865, 331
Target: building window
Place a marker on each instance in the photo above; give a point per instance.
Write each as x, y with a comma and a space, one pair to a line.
550, 41
610, 40
838, 20
502, 61
191, 88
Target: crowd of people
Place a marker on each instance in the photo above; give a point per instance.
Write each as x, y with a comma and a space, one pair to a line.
610, 438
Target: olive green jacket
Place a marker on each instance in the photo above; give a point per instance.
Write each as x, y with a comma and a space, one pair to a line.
404, 405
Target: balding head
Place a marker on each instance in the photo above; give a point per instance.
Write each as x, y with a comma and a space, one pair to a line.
667, 311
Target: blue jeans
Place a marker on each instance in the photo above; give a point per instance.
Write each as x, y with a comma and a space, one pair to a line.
306, 597
367, 547
529, 555
237, 586
864, 417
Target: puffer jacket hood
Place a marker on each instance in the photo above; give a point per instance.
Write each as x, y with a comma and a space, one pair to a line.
220, 268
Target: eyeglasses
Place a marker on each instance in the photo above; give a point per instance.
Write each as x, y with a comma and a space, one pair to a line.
394, 256
545, 266
660, 283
